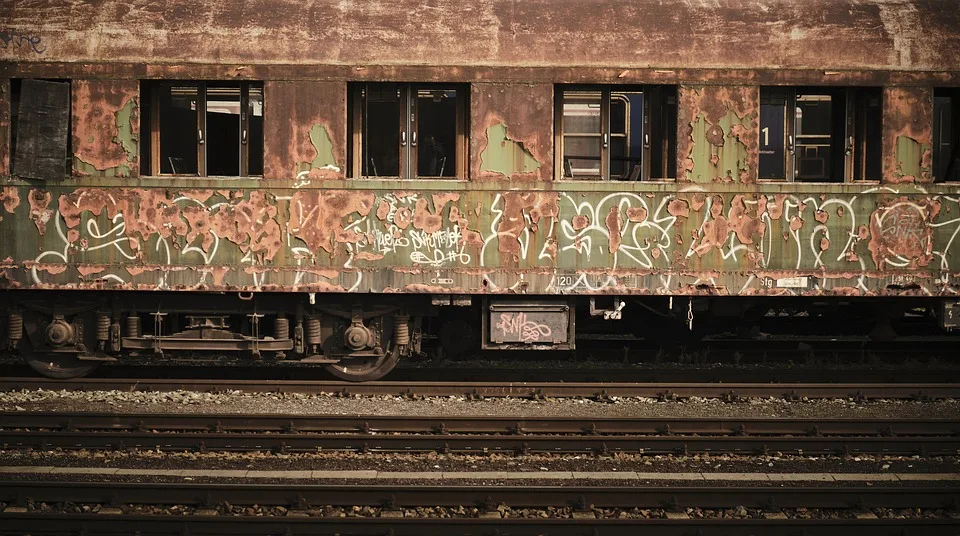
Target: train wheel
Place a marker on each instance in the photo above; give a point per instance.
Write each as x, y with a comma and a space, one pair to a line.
365, 369
61, 366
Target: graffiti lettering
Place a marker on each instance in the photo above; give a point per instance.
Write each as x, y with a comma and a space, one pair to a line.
902, 224
518, 325
20, 39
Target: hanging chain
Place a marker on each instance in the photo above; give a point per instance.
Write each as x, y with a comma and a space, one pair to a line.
690, 314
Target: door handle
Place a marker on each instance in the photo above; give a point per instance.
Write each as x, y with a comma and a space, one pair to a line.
200, 136
849, 149
646, 141
413, 139
403, 139
790, 148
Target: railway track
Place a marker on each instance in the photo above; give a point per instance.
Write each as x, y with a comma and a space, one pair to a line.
300, 509
597, 390
286, 433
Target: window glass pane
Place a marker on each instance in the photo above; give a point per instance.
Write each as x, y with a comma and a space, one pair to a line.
946, 156
772, 146
381, 130
255, 134
626, 134
581, 134
436, 132
223, 131
813, 137
178, 129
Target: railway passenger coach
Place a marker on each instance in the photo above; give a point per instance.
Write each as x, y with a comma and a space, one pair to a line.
348, 183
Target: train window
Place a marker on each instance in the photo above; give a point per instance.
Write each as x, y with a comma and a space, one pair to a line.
616, 133
408, 130
820, 134
203, 128
946, 134
40, 127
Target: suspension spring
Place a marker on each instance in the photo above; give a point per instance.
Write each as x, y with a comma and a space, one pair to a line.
313, 331
133, 325
281, 328
15, 326
103, 327
401, 329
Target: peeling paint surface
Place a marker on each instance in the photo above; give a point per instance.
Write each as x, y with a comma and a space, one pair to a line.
822, 34
511, 131
304, 130
718, 134
106, 127
631, 239
907, 134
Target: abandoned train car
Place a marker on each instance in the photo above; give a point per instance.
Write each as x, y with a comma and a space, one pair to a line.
348, 183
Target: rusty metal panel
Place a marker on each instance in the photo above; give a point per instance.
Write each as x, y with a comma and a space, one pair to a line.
106, 128
532, 323
511, 131
718, 134
305, 128
907, 134
42, 129
821, 34
454, 238
6, 101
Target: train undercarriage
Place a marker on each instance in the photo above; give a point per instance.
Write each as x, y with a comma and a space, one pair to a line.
361, 338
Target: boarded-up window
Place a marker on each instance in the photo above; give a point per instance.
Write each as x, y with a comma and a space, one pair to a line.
43, 125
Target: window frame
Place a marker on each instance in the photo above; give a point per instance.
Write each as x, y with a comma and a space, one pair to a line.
159, 89
407, 152
608, 92
854, 140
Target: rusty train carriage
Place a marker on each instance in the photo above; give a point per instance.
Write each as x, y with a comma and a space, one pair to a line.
264, 162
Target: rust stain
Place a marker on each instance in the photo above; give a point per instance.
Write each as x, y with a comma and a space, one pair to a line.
614, 223
383, 210
537, 205
900, 232
697, 201
10, 197
317, 216
39, 211
248, 222
907, 124
296, 110
527, 112
425, 220
679, 208
580, 222
708, 118
105, 139
636, 214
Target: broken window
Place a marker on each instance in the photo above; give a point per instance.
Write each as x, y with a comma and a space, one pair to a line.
820, 134
408, 130
40, 123
616, 133
946, 134
203, 128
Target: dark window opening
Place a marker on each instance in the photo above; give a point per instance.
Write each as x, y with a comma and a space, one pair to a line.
40, 124
203, 128
617, 133
946, 134
819, 134
408, 130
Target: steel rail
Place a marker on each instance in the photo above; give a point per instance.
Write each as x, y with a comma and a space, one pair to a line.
301, 496
453, 424
580, 502
600, 390
470, 443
